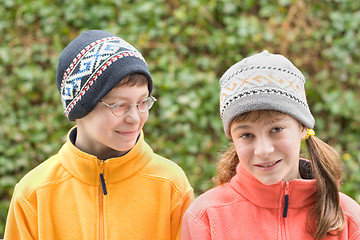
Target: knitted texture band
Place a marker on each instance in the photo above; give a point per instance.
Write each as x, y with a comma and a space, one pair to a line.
263, 81
91, 66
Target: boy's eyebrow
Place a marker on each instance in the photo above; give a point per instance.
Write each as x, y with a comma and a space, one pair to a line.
122, 98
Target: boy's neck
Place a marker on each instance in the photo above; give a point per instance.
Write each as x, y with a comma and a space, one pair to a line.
102, 155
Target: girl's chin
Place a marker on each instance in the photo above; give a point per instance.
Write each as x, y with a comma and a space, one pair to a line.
269, 181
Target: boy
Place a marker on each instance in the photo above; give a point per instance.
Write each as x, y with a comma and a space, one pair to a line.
105, 182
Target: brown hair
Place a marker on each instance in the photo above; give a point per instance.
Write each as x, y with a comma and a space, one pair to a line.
134, 79
326, 169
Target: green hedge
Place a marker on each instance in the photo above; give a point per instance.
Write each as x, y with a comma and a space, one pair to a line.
188, 45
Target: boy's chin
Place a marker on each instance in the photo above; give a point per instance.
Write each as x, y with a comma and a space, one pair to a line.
127, 147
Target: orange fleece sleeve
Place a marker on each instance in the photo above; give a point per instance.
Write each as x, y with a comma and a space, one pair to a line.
21, 223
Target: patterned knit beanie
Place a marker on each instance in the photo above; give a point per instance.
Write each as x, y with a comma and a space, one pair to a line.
263, 81
91, 66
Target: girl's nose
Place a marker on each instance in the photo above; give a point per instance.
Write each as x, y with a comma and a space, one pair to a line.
263, 147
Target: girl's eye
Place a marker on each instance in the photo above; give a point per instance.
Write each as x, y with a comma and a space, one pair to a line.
246, 135
277, 129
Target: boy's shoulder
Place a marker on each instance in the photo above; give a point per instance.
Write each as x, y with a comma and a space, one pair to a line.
45, 174
163, 169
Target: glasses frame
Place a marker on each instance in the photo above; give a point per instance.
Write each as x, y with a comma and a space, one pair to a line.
130, 105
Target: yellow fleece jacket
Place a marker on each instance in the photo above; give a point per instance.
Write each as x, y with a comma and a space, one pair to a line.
63, 198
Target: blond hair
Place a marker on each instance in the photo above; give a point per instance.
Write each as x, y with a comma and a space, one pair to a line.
326, 169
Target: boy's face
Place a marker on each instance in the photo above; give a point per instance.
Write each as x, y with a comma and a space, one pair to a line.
105, 135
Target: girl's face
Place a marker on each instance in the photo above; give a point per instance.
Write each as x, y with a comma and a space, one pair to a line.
269, 147
105, 135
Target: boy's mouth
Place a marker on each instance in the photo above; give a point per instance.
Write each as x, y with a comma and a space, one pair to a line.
127, 133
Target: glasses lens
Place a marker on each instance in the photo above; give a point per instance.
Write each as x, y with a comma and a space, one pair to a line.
146, 104
120, 108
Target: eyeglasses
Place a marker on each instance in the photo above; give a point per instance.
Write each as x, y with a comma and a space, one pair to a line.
121, 108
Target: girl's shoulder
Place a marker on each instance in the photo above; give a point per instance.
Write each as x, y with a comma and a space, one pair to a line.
217, 197
351, 208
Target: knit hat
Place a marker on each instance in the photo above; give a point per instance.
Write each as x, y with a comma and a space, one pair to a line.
91, 66
263, 81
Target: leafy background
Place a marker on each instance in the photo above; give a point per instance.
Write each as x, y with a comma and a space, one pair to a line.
188, 45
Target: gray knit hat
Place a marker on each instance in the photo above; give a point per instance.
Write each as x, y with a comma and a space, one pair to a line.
91, 66
263, 81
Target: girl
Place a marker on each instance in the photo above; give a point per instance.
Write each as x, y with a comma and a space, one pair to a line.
264, 191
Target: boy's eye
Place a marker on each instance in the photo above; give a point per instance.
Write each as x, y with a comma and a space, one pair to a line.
143, 104
121, 105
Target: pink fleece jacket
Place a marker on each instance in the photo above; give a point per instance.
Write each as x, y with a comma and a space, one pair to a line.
245, 208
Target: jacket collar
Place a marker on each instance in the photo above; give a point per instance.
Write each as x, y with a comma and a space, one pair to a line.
86, 167
301, 192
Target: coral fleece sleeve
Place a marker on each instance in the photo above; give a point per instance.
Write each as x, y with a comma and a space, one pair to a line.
193, 228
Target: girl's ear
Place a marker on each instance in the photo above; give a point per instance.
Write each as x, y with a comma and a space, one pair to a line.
303, 131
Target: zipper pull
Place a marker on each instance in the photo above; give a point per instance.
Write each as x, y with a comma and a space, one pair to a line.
102, 179
286, 206
286, 202
103, 184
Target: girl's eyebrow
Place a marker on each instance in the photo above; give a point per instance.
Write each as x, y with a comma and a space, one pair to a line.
278, 119
239, 127
267, 123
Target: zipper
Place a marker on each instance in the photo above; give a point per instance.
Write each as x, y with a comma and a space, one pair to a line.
103, 184
102, 179
285, 210
286, 200
102, 193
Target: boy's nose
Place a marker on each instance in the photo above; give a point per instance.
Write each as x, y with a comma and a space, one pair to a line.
263, 147
132, 116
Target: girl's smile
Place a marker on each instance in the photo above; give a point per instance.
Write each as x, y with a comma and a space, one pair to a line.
268, 165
